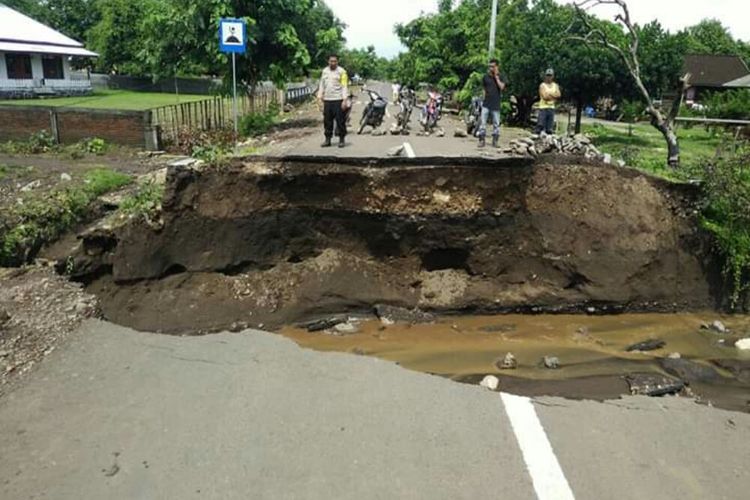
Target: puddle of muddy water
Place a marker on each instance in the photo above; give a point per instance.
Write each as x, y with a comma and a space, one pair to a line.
591, 350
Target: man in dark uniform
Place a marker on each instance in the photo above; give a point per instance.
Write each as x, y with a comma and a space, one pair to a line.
493, 91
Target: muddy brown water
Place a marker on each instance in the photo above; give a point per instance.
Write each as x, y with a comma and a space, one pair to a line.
591, 350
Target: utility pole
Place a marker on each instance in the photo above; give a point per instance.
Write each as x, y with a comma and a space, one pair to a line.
493, 28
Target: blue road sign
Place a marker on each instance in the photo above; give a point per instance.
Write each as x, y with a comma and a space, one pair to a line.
232, 36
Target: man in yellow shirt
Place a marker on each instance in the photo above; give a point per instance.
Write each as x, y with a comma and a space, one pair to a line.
549, 95
333, 95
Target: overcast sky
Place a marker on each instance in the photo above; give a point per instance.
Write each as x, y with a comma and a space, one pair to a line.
371, 22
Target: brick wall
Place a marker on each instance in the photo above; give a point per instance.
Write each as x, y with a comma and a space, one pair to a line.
17, 123
118, 127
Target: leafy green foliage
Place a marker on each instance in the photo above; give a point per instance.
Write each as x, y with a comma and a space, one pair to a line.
727, 215
257, 124
145, 202
733, 104
203, 142
365, 63
38, 221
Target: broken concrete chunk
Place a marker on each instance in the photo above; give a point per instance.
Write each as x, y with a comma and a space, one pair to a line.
647, 345
490, 382
654, 385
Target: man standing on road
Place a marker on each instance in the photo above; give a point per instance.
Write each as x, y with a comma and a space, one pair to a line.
333, 94
493, 91
549, 94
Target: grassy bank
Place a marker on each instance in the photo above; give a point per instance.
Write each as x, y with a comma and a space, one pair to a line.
111, 99
38, 220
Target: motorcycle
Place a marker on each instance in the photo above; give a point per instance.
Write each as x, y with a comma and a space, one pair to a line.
431, 111
407, 99
374, 112
473, 116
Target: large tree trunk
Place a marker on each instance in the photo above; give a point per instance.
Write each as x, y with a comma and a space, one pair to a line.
667, 130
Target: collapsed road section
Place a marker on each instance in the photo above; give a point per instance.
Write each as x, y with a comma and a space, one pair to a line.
266, 242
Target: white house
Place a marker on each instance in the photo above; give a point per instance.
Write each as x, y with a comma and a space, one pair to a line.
35, 59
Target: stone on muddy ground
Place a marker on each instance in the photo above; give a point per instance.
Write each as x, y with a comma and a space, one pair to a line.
460, 133
646, 345
322, 324
65, 177
689, 371
551, 362
715, 326
508, 362
743, 344
32, 185
348, 328
392, 314
654, 385
440, 133
377, 132
395, 129
490, 382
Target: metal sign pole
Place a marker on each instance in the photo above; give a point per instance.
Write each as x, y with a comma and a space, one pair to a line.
234, 87
493, 28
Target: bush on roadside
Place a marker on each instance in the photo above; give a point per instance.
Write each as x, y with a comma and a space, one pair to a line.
146, 201
257, 124
726, 214
190, 141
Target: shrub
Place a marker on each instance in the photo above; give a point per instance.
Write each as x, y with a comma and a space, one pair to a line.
727, 215
188, 141
256, 124
732, 104
146, 200
38, 221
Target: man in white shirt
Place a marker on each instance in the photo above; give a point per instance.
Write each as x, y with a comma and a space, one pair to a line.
333, 94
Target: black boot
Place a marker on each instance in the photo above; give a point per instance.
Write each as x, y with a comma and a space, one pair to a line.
342, 143
326, 143
481, 141
494, 141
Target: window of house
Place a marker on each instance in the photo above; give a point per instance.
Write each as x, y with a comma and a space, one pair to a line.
19, 66
53, 67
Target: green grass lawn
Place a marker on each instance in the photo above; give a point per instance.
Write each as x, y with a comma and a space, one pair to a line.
111, 99
646, 149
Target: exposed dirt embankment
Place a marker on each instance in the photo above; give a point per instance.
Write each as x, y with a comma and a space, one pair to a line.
269, 242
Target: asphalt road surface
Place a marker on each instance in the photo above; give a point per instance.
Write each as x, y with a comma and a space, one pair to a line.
117, 414
366, 145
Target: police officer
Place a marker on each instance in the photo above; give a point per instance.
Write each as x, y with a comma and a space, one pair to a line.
333, 94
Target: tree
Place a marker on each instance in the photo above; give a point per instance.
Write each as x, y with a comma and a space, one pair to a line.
119, 34
365, 63
711, 37
628, 52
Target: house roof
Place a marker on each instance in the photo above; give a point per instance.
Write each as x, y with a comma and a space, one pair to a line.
743, 82
20, 33
714, 70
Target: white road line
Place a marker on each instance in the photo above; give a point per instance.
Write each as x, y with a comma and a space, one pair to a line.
544, 469
409, 150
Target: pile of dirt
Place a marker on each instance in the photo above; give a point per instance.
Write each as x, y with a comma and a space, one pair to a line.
38, 309
268, 242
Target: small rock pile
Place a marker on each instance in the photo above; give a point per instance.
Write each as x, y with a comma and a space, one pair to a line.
537, 144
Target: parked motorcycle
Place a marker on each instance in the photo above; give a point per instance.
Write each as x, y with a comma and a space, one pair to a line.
374, 112
431, 111
473, 116
407, 99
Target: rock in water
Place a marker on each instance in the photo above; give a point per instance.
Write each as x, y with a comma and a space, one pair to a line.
649, 384
509, 362
647, 345
322, 324
743, 344
490, 382
347, 328
551, 362
392, 314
